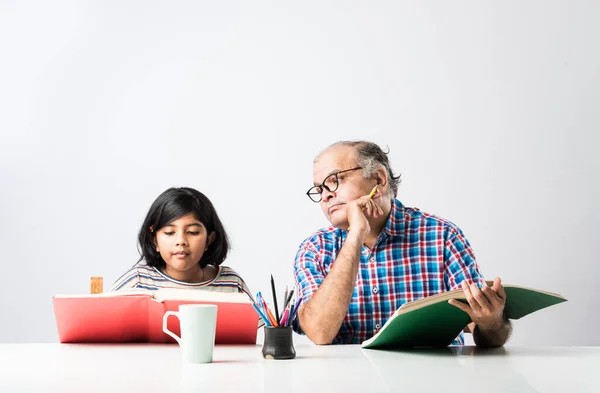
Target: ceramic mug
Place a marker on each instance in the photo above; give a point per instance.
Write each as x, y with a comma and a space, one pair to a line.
198, 327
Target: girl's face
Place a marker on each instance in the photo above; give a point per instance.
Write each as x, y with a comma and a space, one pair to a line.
181, 244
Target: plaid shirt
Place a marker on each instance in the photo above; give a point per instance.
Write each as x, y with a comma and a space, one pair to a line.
415, 255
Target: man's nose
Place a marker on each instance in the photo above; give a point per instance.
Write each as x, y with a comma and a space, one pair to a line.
327, 195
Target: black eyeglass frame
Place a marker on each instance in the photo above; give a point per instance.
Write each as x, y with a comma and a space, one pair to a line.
313, 189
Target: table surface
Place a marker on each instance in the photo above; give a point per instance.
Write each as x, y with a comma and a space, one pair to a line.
91, 368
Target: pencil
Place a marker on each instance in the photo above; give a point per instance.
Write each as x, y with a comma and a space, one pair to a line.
294, 310
373, 191
290, 315
289, 297
265, 308
274, 298
269, 313
284, 316
261, 315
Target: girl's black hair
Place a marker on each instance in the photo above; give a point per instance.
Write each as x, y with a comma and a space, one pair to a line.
175, 203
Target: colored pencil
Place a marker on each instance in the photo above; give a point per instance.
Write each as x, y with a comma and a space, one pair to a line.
274, 298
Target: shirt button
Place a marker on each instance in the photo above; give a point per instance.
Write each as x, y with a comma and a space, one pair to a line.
372, 259
377, 326
375, 290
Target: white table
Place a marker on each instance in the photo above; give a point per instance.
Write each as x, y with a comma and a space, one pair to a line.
157, 368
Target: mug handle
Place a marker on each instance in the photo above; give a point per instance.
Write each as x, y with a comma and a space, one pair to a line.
166, 330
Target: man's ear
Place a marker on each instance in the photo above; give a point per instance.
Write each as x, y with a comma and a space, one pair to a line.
211, 238
380, 176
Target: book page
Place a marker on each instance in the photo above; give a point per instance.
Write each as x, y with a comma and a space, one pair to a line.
199, 295
535, 290
426, 301
458, 294
123, 292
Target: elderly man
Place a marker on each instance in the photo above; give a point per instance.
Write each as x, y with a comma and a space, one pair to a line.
379, 254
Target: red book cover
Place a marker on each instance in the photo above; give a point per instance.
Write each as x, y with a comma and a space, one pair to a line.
137, 315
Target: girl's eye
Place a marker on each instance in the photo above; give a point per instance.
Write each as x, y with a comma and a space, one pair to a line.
169, 233
194, 233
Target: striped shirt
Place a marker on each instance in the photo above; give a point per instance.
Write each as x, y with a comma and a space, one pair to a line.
148, 277
415, 255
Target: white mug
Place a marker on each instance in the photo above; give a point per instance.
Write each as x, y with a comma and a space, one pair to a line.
198, 326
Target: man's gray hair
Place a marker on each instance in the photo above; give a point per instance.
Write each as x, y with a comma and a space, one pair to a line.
370, 157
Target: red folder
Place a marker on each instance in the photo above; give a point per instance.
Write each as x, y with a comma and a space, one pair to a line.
137, 315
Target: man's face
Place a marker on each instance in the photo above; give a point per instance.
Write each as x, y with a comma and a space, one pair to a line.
352, 185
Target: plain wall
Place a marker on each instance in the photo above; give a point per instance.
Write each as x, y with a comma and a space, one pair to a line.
489, 109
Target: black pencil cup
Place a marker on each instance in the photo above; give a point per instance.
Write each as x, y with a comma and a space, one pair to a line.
279, 343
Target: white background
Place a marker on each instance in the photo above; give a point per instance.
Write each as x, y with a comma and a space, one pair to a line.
490, 110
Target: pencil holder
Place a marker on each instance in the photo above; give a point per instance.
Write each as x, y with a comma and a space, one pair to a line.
279, 343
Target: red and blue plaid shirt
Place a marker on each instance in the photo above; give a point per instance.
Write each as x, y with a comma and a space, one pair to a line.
415, 255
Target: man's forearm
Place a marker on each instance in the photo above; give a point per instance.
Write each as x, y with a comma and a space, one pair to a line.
322, 316
492, 338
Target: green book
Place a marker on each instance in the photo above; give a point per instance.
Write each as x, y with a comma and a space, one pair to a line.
433, 322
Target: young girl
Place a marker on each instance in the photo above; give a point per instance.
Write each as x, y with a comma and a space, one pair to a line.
182, 245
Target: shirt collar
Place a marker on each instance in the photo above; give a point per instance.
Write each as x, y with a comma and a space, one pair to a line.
395, 223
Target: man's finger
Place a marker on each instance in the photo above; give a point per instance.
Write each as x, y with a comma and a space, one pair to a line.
371, 207
362, 203
374, 209
492, 296
469, 296
461, 305
480, 297
368, 206
498, 288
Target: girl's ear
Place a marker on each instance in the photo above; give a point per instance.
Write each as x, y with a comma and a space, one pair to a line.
211, 238
153, 239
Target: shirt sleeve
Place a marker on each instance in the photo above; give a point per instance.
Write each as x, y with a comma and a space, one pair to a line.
459, 262
308, 275
128, 280
244, 288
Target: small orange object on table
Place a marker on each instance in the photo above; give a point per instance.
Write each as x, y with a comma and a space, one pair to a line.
96, 285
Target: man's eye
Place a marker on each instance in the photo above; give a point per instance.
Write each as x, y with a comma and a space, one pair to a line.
330, 180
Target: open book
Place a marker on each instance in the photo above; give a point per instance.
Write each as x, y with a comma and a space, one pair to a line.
136, 315
433, 322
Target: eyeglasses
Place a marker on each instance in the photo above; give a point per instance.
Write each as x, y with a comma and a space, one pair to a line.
331, 183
